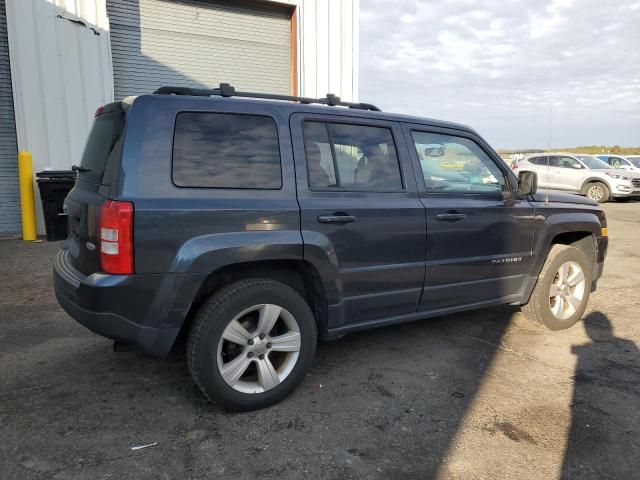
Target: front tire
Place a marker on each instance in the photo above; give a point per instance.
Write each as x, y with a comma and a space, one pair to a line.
251, 344
598, 191
560, 297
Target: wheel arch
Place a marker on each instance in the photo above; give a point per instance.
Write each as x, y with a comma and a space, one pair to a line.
300, 275
582, 240
574, 229
590, 180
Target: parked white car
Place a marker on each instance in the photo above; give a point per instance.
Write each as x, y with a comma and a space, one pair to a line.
623, 162
635, 160
583, 174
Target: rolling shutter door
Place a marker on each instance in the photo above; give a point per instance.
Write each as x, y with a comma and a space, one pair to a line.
199, 43
9, 190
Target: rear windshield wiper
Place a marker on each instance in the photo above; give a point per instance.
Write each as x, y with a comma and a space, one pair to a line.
78, 169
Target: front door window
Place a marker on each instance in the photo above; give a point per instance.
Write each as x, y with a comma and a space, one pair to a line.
456, 164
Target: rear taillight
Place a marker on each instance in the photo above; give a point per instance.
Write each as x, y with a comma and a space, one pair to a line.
116, 237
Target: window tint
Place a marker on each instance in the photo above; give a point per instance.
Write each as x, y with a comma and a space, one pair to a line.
223, 150
456, 164
544, 160
351, 157
102, 144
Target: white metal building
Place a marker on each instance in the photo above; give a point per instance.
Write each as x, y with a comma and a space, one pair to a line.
61, 59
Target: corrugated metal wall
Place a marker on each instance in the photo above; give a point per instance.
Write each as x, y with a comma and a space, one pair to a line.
329, 48
199, 43
61, 72
9, 192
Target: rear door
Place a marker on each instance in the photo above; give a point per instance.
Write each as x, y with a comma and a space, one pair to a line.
100, 160
360, 210
542, 166
479, 235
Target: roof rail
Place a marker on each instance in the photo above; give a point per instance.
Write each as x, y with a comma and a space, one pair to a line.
226, 90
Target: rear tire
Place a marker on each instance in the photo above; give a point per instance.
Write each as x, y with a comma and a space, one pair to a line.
560, 297
598, 191
251, 344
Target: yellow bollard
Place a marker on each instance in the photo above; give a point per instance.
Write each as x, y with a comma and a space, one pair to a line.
27, 205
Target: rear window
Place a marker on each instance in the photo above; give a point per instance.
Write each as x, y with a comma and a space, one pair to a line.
102, 144
224, 150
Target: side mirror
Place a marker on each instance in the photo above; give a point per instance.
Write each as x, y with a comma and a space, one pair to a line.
434, 150
577, 166
527, 183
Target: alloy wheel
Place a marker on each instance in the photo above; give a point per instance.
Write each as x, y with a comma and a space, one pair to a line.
595, 192
259, 348
567, 290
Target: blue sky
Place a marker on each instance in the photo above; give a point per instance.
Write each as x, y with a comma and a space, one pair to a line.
523, 73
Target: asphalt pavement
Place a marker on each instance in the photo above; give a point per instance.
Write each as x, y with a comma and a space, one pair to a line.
481, 394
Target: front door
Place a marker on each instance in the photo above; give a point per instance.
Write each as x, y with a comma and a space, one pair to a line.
360, 213
568, 174
479, 234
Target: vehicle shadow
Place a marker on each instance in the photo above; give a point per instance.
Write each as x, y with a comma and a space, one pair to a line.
606, 392
393, 399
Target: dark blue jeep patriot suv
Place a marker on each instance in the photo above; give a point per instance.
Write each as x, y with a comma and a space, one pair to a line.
256, 224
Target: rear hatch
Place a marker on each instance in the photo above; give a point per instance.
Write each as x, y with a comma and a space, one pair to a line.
99, 168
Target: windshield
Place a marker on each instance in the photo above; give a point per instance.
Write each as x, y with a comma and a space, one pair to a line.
593, 162
635, 159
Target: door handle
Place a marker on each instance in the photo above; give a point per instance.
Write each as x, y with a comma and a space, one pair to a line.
336, 218
450, 216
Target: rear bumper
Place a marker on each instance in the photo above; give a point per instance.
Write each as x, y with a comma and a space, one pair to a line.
143, 311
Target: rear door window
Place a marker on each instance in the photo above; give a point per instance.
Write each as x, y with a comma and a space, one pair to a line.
545, 160
102, 144
225, 150
351, 157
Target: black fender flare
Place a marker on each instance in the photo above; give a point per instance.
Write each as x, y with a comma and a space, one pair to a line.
547, 231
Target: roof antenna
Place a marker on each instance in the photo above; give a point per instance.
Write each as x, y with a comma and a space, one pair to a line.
546, 192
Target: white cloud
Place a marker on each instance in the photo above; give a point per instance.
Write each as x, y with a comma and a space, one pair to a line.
502, 65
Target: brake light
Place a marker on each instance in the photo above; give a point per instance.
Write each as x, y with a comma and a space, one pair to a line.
99, 111
116, 237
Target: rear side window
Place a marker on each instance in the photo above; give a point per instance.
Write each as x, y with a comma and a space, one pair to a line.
552, 161
225, 150
351, 157
102, 144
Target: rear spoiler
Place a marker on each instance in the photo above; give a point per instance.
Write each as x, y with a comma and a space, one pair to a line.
119, 106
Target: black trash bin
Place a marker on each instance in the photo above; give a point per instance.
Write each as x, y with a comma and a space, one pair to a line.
54, 185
